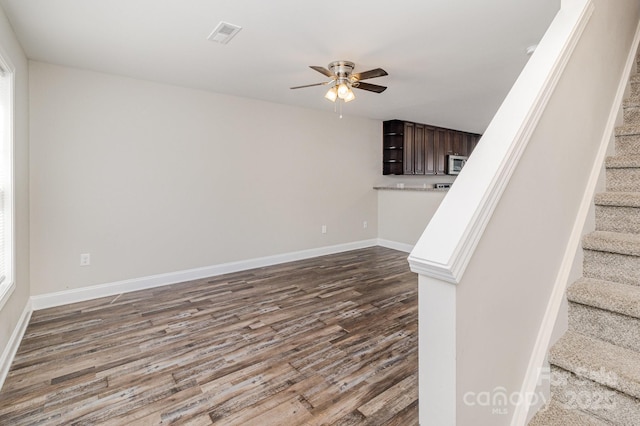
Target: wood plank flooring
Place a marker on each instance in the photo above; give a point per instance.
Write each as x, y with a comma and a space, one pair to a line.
326, 341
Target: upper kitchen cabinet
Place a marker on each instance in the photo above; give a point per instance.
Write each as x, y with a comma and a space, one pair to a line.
420, 149
414, 149
393, 142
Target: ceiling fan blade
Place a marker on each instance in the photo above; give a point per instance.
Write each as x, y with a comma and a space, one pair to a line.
322, 70
378, 72
310, 85
369, 87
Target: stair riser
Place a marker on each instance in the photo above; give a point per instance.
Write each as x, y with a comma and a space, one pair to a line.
611, 267
631, 115
635, 89
621, 330
574, 392
628, 145
551, 415
627, 180
618, 219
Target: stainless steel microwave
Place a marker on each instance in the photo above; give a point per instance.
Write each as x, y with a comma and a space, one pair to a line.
455, 163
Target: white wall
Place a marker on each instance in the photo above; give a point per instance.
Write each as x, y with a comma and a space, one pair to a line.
150, 178
403, 214
12, 310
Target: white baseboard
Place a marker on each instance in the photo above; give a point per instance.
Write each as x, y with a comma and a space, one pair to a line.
395, 245
14, 342
50, 300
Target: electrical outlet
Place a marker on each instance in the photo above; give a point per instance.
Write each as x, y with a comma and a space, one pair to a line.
324, 229
85, 259
365, 224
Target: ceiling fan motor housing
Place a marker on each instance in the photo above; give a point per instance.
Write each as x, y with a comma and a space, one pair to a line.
342, 70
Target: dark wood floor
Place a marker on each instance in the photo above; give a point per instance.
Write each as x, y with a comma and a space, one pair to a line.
331, 340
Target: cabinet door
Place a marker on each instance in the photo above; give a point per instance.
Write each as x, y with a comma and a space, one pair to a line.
408, 148
419, 150
441, 150
430, 157
456, 142
474, 142
467, 144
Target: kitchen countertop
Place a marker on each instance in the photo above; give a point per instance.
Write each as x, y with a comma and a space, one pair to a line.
410, 188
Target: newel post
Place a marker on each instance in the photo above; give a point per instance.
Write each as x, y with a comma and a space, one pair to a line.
437, 351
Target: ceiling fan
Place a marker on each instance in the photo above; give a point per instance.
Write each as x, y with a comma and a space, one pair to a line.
343, 79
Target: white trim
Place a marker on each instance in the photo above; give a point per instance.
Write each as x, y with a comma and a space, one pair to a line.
428, 268
50, 300
8, 285
13, 344
395, 245
437, 368
5, 293
543, 340
469, 205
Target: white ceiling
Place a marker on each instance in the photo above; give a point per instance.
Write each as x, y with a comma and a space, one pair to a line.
450, 62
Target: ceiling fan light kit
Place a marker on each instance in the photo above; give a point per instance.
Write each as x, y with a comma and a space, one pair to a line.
332, 94
343, 90
349, 96
342, 80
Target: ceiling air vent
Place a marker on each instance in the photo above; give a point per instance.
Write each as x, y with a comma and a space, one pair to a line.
224, 32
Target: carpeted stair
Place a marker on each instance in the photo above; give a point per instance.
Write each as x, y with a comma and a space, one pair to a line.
595, 366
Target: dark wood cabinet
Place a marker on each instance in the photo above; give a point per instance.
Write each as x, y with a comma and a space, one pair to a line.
409, 148
430, 153
456, 142
442, 148
393, 147
420, 149
414, 149
470, 140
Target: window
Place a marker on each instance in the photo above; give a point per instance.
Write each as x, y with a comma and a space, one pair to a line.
6, 180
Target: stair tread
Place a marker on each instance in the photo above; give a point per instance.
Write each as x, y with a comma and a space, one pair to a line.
594, 359
632, 101
613, 242
622, 161
555, 414
618, 199
611, 296
628, 129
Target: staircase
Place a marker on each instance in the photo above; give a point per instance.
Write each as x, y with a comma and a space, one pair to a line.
595, 366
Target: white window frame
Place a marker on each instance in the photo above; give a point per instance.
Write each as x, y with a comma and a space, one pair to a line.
7, 286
